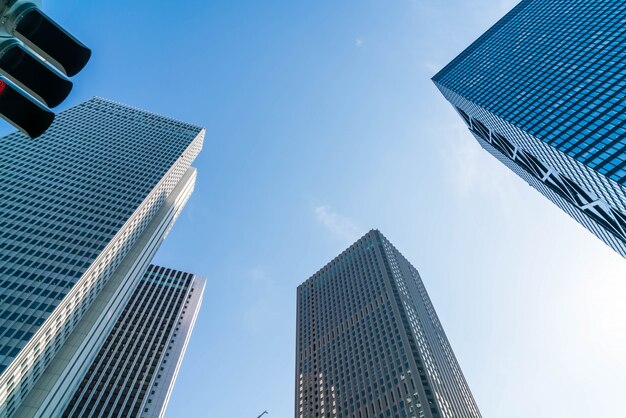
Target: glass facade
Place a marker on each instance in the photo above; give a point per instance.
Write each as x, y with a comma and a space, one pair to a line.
75, 201
134, 372
369, 343
543, 90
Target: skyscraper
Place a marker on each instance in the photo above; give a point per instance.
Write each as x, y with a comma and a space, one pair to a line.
543, 91
369, 343
134, 372
83, 210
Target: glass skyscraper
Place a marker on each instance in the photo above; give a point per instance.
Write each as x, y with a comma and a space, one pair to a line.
369, 343
83, 210
134, 371
543, 91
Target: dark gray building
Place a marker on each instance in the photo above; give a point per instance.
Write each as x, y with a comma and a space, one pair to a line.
134, 371
84, 208
369, 343
543, 92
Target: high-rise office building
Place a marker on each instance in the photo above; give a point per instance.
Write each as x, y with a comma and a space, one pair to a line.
543, 91
369, 343
134, 372
83, 210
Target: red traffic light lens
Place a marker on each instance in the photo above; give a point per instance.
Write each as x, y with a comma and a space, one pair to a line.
3, 87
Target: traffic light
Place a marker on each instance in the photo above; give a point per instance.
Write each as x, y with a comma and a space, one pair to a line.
36, 58
23, 112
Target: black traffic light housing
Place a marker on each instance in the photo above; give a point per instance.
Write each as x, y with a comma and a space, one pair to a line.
36, 57
48, 39
23, 111
27, 71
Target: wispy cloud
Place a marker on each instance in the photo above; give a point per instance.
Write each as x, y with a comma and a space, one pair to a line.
359, 42
432, 67
339, 226
257, 275
473, 171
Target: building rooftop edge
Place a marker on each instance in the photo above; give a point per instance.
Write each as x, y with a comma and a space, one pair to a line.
482, 38
104, 99
368, 234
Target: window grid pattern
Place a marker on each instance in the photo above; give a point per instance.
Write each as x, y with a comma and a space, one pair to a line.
444, 374
590, 198
557, 70
551, 78
78, 198
128, 367
357, 354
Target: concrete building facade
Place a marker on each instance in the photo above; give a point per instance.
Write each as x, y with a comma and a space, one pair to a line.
84, 209
369, 343
134, 372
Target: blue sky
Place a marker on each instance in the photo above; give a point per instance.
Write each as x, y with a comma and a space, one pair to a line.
322, 123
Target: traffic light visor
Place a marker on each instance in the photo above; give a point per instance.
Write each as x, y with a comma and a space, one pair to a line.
37, 78
23, 112
51, 41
